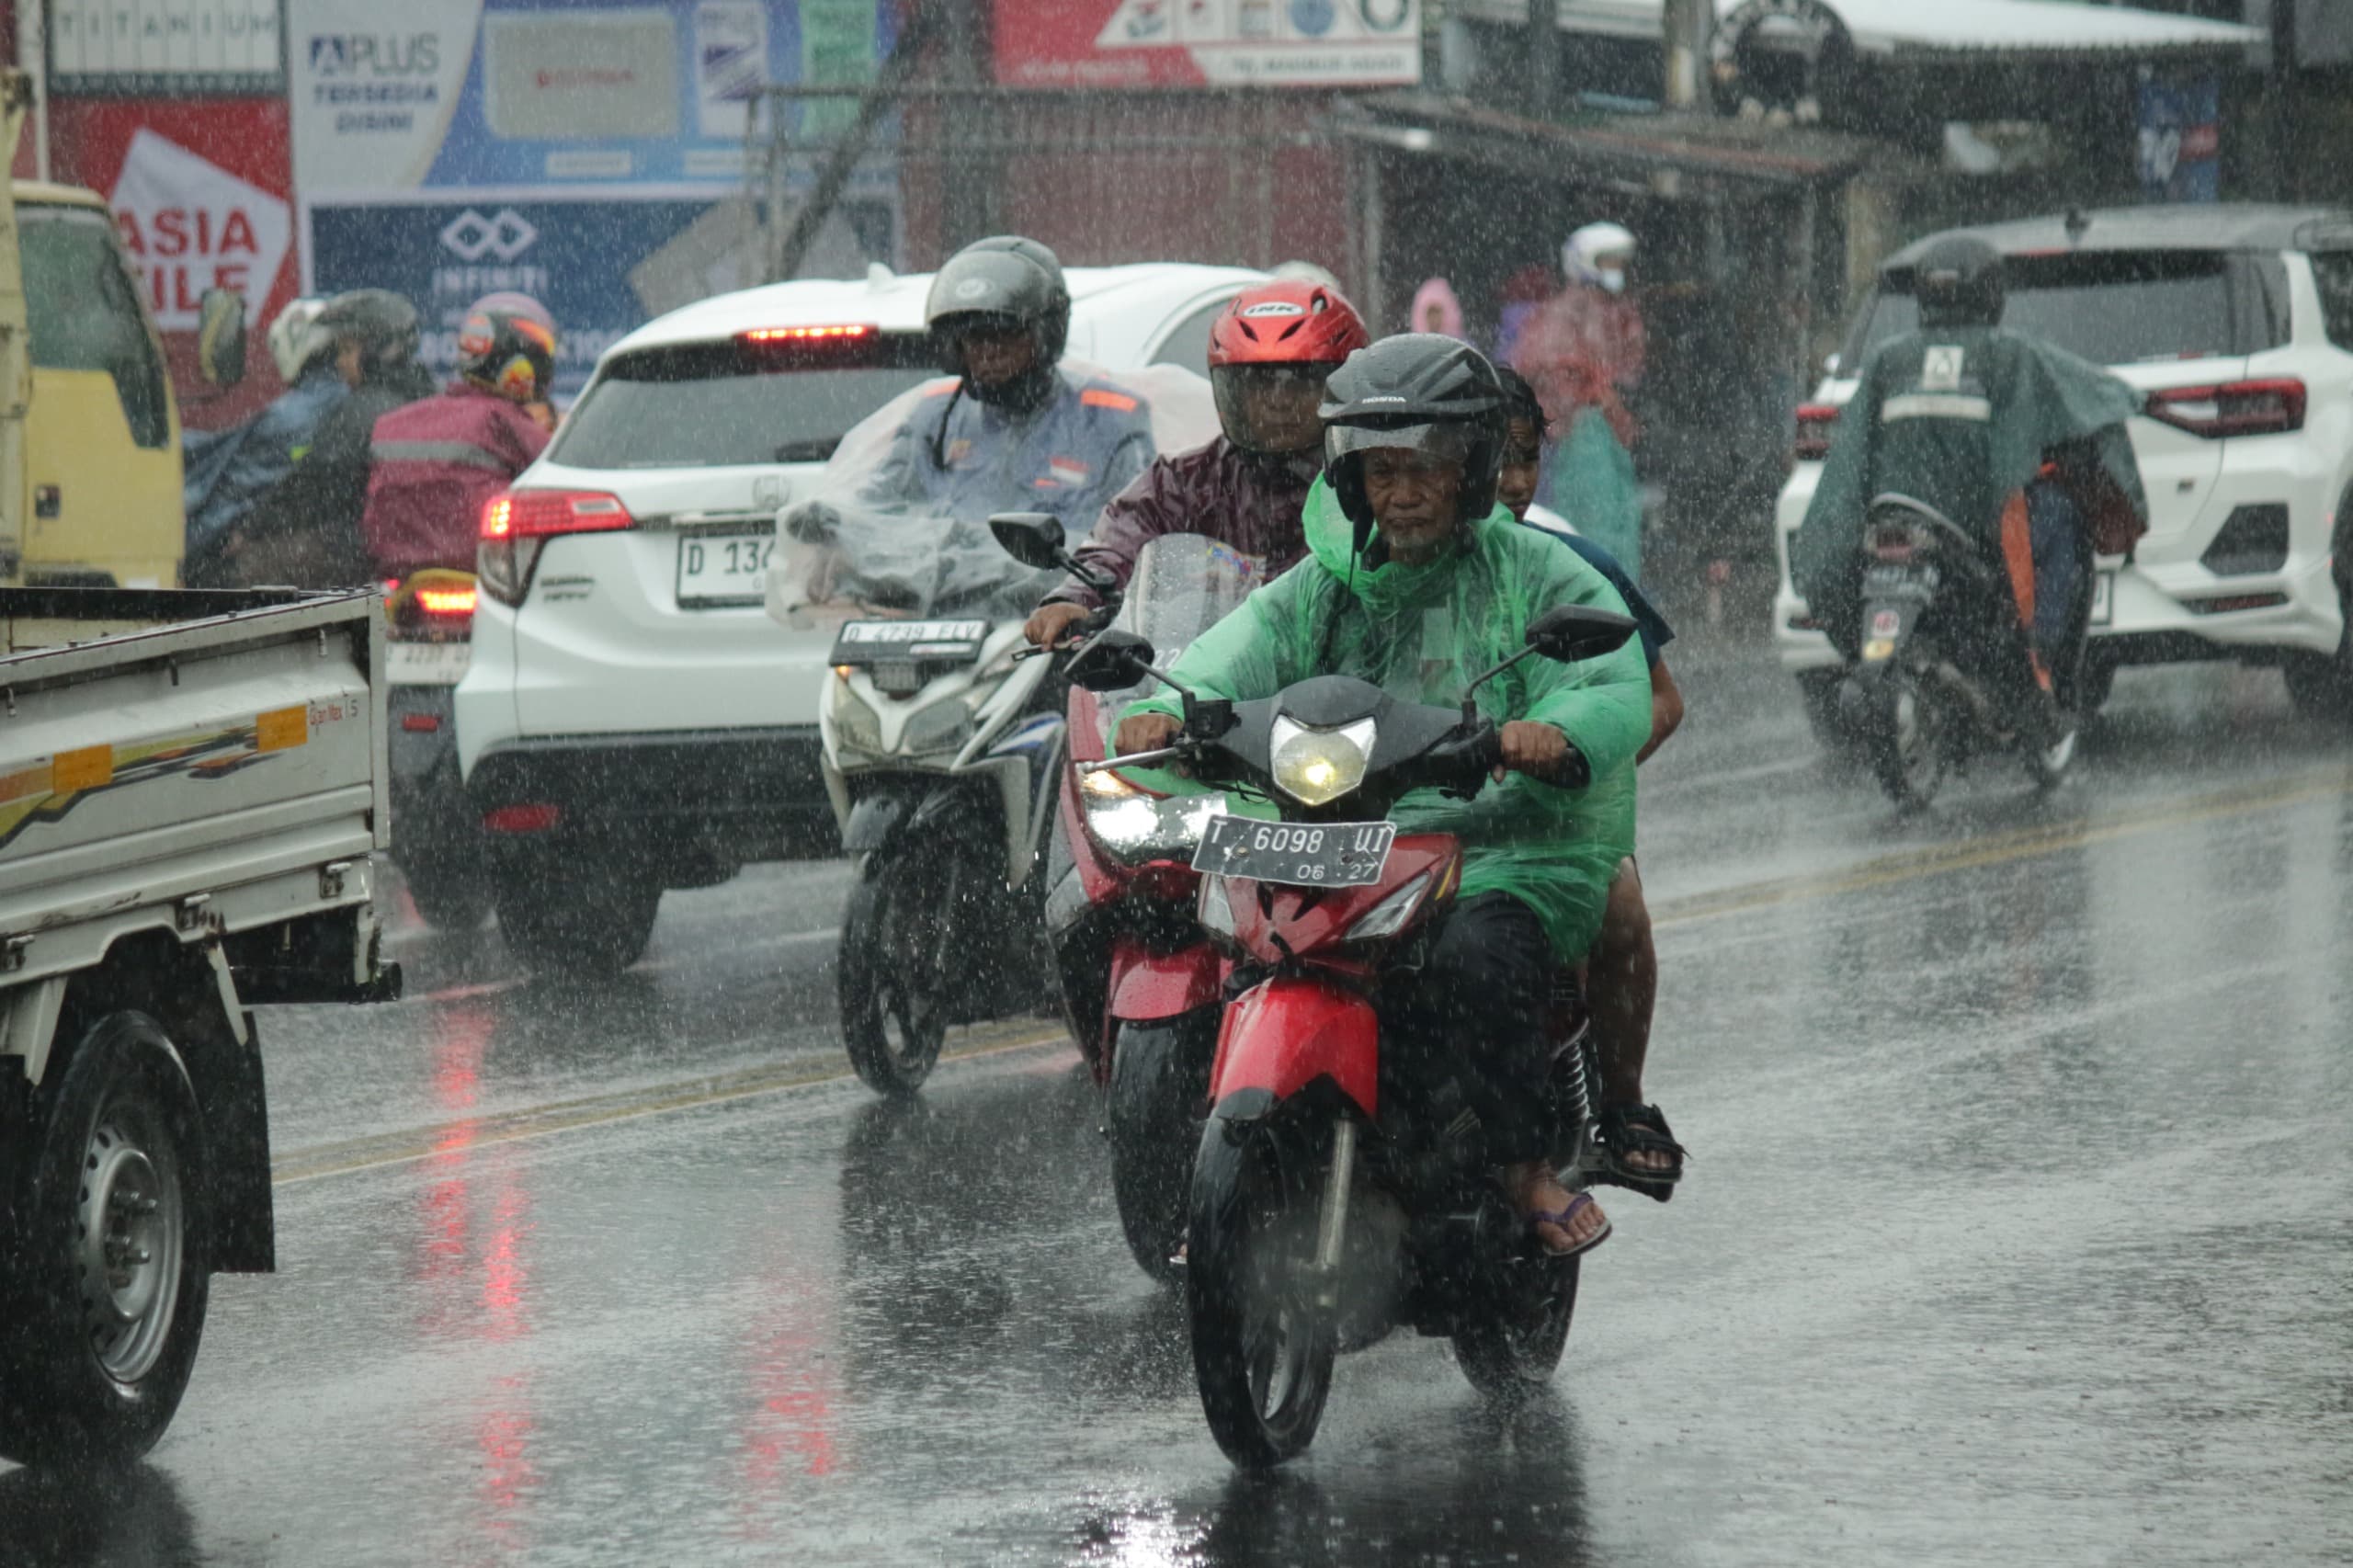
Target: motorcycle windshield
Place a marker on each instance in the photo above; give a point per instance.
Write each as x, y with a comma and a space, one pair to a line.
897, 523
1182, 586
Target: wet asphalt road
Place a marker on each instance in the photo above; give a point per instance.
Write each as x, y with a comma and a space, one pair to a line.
2021, 1232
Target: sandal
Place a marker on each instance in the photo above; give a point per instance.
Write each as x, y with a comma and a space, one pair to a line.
1560, 1217
1630, 1129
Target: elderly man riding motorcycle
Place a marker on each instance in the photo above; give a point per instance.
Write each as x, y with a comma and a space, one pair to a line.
1416, 580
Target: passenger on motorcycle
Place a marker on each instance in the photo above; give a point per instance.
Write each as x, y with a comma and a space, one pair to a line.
1013, 430
437, 461
1417, 581
1622, 972
1270, 350
2015, 439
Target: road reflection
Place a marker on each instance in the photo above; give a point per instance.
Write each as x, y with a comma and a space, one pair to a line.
125, 1518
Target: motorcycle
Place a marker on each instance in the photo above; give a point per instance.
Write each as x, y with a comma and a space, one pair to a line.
1321, 1216
437, 837
1940, 623
1140, 985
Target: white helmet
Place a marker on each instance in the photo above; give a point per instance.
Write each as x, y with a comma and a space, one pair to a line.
296, 337
1596, 256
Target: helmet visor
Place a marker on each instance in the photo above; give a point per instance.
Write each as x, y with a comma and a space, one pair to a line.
1270, 408
1441, 442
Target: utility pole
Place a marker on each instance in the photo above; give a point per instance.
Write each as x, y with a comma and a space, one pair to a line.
1690, 25
967, 170
1543, 59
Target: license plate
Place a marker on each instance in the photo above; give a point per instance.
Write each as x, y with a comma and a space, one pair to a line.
2103, 598
1302, 855
717, 571
886, 643
427, 663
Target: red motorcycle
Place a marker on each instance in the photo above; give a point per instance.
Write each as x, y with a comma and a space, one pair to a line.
1321, 1217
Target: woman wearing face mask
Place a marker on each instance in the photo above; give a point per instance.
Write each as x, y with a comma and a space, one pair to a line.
1582, 351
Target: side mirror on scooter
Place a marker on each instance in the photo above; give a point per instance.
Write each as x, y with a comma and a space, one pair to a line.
1034, 538
1570, 633
1113, 661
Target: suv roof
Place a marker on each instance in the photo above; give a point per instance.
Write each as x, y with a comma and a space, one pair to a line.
894, 302
2229, 226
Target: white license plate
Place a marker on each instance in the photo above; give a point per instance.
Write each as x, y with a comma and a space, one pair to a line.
719, 570
1318, 855
2103, 598
427, 663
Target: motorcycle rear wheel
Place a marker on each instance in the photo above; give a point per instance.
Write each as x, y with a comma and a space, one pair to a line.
1906, 742
1262, 1346
895, 974
1160, 1073
1514, 1350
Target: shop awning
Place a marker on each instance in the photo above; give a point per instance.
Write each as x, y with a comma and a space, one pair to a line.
1972, 32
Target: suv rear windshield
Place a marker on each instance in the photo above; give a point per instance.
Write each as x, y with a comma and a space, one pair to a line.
2115, 307
719, 404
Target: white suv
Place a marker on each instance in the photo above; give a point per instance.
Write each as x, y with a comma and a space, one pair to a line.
2237, 322
634, 721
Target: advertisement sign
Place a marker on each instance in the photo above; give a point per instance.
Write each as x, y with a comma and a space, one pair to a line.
164, 46
2182, 139
1215, 43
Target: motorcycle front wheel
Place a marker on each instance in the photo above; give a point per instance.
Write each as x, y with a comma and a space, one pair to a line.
1906, 741
896, 971
1263, 1346
1160, 1075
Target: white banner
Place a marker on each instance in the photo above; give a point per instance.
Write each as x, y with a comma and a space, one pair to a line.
190, 225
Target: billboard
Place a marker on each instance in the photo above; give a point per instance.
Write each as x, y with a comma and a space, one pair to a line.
176, 47
2179, 147
591, 153
1207, 43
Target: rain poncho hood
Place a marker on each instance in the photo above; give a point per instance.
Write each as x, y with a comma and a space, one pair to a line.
1962, 418
1421, 633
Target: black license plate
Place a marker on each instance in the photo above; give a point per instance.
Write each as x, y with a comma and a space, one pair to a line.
1302, 855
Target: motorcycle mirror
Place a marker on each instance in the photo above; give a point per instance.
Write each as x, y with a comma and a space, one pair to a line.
1034, 538
1569, 632
1112, 662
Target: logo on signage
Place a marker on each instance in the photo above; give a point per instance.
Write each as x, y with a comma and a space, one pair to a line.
470, 236
370, 54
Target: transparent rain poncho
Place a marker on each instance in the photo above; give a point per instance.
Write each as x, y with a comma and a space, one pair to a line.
898, 521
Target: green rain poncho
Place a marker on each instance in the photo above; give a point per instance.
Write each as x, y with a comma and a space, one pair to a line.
1423, 633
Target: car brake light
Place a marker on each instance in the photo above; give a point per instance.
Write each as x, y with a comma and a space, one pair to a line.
1817, 422
516, 523
2233, 408
788, 347
445, 601
764, 336
521, 819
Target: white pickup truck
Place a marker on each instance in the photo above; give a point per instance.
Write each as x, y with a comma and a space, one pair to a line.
191, 787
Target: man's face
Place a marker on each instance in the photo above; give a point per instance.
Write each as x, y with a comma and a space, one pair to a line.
1413, 495
996, 355
350, 361
1278, 407
1523, 459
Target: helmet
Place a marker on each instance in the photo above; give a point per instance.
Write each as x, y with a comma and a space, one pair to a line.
1583, 258
296, 338
1958, 282
1307, 272
507, 344
380, 321
1008, 282
1421, 391
1286, 329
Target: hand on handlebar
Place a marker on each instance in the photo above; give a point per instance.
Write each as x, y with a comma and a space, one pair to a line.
1053, 623
1148, 732
1538, 750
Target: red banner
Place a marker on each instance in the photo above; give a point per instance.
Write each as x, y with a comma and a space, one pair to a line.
1207, 43
202, 194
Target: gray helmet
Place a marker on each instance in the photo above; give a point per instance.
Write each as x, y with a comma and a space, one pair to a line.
380, 321
1958, 282
1004, 279
1420, 391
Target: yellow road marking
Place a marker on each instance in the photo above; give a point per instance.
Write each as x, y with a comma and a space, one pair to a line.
407, 1147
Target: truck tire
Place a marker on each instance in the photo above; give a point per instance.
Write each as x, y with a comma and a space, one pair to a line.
110, 1268
591, 925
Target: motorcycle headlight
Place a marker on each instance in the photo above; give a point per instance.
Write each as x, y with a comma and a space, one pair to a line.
1388, 916
1313, 767
1134, 826
855, 722
939, 727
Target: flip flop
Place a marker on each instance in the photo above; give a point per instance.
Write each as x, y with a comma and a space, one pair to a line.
1560, 1217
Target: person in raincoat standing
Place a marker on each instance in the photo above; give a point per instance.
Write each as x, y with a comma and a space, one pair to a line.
1417, 580
1581, 351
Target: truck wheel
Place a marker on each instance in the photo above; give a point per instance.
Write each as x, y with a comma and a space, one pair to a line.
106, 1305
592, 925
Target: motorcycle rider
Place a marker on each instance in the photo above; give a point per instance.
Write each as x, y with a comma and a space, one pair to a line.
229, 470
437, 461
1013, 428
1416, 580
2019, 442
1270, 351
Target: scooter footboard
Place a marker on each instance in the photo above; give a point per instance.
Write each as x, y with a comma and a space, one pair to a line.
1283, 1034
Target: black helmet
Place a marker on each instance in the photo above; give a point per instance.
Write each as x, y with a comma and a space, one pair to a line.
380, 321
507, 344
1958, 282
1421, 390
1008, 282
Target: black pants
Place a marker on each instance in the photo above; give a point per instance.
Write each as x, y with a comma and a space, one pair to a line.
1467, 1032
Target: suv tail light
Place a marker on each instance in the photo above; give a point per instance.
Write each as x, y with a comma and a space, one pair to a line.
2233, 408
1817, 422
518, 523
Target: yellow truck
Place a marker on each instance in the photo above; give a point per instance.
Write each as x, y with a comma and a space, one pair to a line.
89, 435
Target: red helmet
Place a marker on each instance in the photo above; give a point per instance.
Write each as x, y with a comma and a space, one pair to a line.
1280, 339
